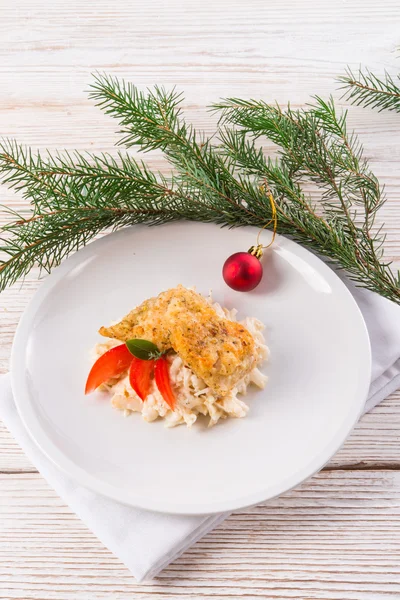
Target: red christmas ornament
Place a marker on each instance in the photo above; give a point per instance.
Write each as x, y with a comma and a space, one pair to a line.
243, 271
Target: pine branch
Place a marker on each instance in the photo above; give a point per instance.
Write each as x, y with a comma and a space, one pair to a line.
45, 239
315, 145
74, 196
154, 121
62, 180
366, 89
327, 236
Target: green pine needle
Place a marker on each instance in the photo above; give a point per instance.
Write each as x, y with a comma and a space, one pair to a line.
224, 179
366, 89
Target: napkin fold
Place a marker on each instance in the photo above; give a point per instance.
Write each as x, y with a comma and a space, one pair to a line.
147, 542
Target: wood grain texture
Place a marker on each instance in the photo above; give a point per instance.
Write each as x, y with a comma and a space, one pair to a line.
337, 536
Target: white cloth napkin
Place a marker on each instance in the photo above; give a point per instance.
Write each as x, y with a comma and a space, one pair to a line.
147, 542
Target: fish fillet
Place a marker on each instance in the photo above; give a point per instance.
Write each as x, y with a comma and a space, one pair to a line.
219, 351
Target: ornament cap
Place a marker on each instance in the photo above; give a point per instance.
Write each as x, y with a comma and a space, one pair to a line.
256, 251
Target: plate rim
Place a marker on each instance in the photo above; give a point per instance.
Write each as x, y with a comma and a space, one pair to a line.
86, 480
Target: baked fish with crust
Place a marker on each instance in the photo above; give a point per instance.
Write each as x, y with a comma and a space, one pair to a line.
219, 351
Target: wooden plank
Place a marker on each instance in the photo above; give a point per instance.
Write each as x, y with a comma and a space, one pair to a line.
336, 537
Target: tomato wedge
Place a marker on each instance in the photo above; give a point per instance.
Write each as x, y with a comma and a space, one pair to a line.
140, 373
161, 376
110, 364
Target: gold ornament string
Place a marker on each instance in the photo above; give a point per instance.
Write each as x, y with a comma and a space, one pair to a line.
273, 220
258, 249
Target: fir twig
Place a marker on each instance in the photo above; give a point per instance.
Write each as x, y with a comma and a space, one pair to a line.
73, 199
314, 144
74, 195
367, 89
154, 121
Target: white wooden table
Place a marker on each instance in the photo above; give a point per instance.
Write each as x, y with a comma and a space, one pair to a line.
338, 535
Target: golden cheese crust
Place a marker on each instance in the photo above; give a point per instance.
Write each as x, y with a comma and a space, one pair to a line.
219, 351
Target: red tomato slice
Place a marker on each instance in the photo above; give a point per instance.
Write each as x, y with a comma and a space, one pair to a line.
161, 376
140, 373
110, 364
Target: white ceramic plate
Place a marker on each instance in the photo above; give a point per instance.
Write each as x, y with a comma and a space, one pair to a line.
319, 372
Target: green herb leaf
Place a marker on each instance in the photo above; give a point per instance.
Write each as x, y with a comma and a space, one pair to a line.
143, 349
